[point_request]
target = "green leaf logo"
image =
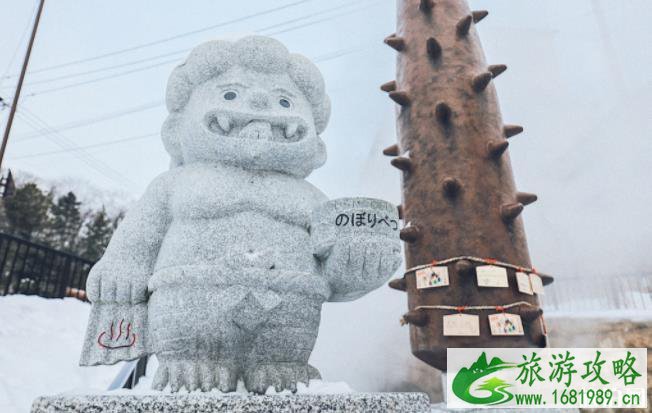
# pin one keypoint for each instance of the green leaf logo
(465, 379)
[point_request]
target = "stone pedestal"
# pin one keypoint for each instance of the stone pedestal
(216, 402)
(441, 408)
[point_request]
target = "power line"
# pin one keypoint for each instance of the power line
(339, 53)
(63, 142)
(326, 57)
(301, 26)
(93, 120)
(99, 166)
(170, 38)
(104, 69)
(20, 43)
(99, 79)
(140, 108)
(265, 30)
(182, 51)
(128, 72)
(94, 145)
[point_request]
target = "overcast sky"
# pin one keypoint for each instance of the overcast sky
(578, 80)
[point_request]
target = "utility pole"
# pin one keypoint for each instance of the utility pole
(19, 86)
(460, 203)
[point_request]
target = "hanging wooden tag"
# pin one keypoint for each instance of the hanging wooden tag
(461, 325)
(432, 277)
(523, 282)
(492, 276)
(537, 284)
(505, 324)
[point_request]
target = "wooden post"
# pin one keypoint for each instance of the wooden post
(19, 86)
(459, 197)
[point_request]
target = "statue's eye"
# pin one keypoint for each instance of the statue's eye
(230, 95)
(284, 102)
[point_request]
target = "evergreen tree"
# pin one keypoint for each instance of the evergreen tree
(97, 233)
(66, 223)
(27, 211)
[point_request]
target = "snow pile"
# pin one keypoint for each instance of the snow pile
(40, 343)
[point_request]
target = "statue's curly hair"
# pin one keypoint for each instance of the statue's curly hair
(259, 53)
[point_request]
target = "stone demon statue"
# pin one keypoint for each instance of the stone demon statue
(221, 268)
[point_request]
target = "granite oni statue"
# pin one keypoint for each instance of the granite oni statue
(221, 268)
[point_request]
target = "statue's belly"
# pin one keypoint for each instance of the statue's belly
(246, 239)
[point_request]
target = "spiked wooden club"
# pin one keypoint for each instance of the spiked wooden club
(459, 197)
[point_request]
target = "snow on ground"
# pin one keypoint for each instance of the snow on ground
(40, 343)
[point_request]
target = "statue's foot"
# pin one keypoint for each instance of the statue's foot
(196, 374)
(282, 376)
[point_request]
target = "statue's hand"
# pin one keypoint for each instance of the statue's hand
(357, 241)
(357, 266)
(114, 286)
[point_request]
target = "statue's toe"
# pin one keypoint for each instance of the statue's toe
(226, 377)
(160, 378)
(313, 373)
(280, 376)
(191, 375)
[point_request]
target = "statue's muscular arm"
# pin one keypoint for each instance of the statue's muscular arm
(122, 273)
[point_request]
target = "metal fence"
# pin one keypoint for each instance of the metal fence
(599, 293)
(32, 269)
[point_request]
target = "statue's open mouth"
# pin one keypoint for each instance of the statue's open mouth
(246, 126)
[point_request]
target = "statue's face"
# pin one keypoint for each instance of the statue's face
(253, 120)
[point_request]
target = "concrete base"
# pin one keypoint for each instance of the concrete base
(215, 402)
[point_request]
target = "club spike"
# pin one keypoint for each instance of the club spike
(496, 149)
(392, 150)
(451, 186)
(389, 86)
(509, 212)
(433, 47)
(443, 112)
(400, 211)
(512, 130)
(410, 234)
(479, 15)
(530, 314)
(526, 198)
(546, 279)
(416, 318)
(426, 5)
(542, 341)
(402, 163)
(398, 284)
(497, 70)
(481, 81)
(395, 42)
(464, 25)
(464, 267)
(400, 97)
